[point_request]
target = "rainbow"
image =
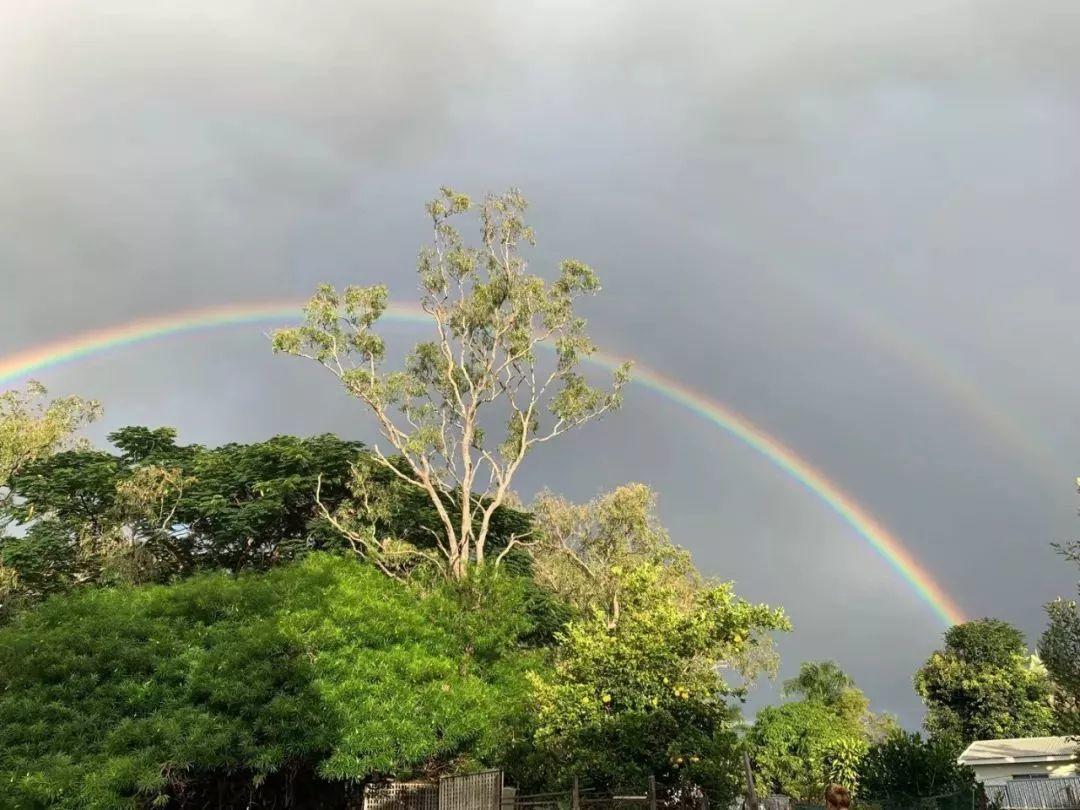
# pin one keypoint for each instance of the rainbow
(946, 377)
(40, 358)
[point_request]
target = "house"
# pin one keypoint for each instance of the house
(996, 761)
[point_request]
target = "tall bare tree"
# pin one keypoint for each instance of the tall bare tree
(490, 317)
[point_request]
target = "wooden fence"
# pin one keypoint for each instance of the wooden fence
(585, 798)
(472, 791)
(486, 791)
(401, 796)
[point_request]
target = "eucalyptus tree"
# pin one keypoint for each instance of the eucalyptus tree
(440, 412)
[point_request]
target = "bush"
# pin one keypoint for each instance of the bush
(124, 696)
(904, 769)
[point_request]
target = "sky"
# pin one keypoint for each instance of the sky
(852, 222)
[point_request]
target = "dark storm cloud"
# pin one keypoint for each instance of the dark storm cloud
(792, 206)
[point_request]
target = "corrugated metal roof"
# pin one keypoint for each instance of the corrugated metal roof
(985, 752)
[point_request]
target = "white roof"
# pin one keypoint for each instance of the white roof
(1023, 749)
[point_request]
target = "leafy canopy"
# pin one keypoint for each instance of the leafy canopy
(1059, 649)
(638, 686)
(904, 769)
(984, 684)
(581, 551)
(825, 683)
(800, 747)
(112, 697)
(32, 428)
(155, 510)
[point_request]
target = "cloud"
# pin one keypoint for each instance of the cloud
(766, 187)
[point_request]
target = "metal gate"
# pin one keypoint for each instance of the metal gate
(473, 791)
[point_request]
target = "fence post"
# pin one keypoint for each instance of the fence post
(751, 791)
(575, 796)
(652, 793)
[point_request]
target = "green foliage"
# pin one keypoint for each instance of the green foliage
(985, 642)
(820, 682)
(904, 769)
(984, 684)
(582, 551)
(825, 683)
(802, 746)
(799, 748)
(643, 695)
(1059, 649)
(155, 510)
(489, 315)
(32, 428)
(111, 697)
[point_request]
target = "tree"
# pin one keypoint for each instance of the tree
(800, 747)
(1059, 649)
(582, 551)
(903, 770)
(31, 428)
(637, 688)
(134, 695)
(490, 317)
(820, 682)
(823, 682)
(984, 684)
(155, 509)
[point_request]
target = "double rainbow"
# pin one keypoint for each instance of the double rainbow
(22, 364)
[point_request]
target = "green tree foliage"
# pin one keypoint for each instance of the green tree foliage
(904, 769)
(799, 748)
(489, 315)
(1059, 649)
(31, 429)
(582, 551)
(825, 683)
(154, 509)
(639, 691)
(112, 697)
(820, 682)
(984, 684)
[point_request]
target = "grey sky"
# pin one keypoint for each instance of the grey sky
(853, 222)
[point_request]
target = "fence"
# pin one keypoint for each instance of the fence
(473, 791)
(1062, 793)
(587, 798)
(485, 791)
(401, 796)
(964, 800)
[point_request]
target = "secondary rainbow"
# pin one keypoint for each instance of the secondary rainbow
(40, 358)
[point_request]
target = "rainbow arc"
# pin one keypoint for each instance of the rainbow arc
(40, 358)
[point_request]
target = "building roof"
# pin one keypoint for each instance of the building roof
(1024, 749)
